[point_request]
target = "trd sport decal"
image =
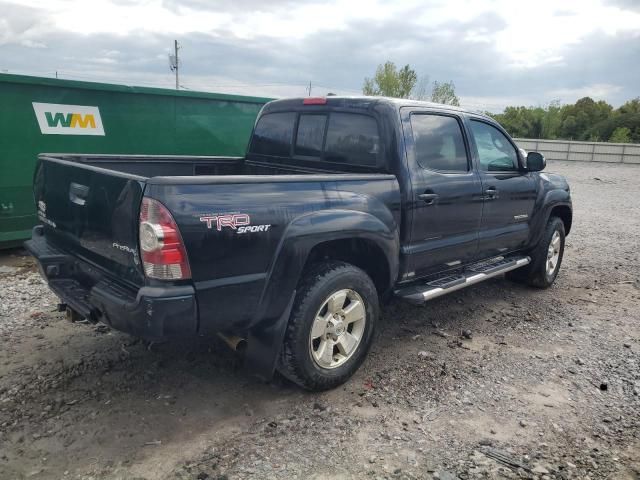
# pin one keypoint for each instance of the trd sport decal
(234, 220)
(241, 222)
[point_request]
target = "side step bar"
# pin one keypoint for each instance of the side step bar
(450, 282)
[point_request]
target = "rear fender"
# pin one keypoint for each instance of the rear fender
(302, 235)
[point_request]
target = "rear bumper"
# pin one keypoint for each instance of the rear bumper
(154, 313)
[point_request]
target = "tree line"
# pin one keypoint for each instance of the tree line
(389, 81)
(586, 119)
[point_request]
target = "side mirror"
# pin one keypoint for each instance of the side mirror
(535, 162)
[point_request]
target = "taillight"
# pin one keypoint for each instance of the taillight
(161, 248)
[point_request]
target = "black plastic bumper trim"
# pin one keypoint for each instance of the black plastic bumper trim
(154, 313)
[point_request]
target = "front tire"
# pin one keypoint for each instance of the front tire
(546, 257)
(331, 326)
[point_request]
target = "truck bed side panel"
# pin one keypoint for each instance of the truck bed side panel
(231, 264)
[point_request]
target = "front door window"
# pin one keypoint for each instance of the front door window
(495, 152)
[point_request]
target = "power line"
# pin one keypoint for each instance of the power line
(194, 83)
(161, 81)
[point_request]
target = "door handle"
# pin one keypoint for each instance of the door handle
(491, 193)
(428, 198)
(78, 193)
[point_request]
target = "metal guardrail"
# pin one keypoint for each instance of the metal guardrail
(583, 151)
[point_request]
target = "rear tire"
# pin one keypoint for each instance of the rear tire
(546, 258)
(331, 326)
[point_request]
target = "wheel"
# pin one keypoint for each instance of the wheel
(331, 326)
(546, 257)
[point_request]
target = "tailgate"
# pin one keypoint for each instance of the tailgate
(91, 213)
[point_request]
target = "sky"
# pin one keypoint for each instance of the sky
(497, 52)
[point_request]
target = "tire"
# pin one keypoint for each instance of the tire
(325, 357)
(537, 274)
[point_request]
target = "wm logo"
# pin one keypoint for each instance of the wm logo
(70, 120)
(56, 119)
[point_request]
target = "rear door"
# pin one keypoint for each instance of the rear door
(509, 192)
(92, 213)
(447, 195)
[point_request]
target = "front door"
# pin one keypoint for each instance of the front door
(509, 192)
(446, 208)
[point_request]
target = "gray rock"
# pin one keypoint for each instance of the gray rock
(539, 469)
(444, 475)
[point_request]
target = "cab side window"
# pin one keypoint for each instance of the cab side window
(439, 144)
(495, 152)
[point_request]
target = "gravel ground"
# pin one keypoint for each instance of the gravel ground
(24, 296)
(547, 386)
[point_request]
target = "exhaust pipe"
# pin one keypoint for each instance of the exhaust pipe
(237, 344)
(72, 315)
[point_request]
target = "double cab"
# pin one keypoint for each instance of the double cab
(339, 204)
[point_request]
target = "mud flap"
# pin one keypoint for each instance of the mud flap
(264, 343)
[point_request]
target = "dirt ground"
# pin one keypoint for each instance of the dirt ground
(548, 385)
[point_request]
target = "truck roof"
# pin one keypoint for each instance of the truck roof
(363, 102)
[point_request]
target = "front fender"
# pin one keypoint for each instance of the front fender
(553, 194)
(301, 236)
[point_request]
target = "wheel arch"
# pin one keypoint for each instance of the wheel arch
(350, 236)
(363, 253)
(564, 213)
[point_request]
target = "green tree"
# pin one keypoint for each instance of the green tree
(620, 135)
(391, 82)
(531, 122)
(518, 121)
(604, 129)
(407, 79)
(584, 120)
(551, 120)
(578, 118)
(388, 81)
(444, 93)
(631, 106)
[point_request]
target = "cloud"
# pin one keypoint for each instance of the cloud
(21, 25)
(238, 6)
(335, 56)
(626, 4)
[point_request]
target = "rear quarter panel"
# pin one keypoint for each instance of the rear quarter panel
(241, 278)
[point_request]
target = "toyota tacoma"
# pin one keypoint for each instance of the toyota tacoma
(338, 205)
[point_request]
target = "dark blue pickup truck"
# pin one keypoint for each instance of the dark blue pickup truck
(338, 204)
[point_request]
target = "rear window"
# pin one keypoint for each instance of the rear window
(352, 139)
(273, 133)
(310, 135)
(346, 138)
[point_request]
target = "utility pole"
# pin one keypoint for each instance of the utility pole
(309, 89)
(174, 62)
(175, 47)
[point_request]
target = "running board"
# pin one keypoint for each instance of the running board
(450, 282)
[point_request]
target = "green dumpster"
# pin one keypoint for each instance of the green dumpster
(50, 115)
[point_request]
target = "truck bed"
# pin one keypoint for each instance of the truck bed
(148, 166)
(89, 205)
